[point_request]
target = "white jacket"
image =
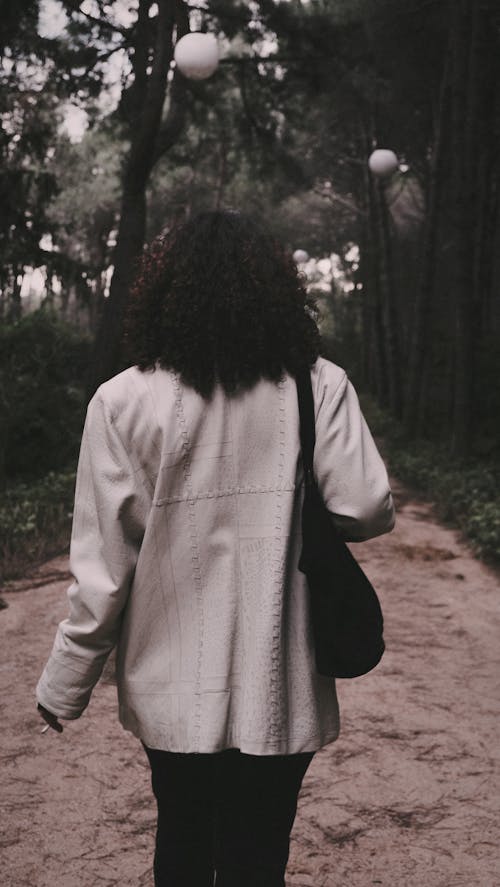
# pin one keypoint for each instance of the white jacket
(184, 550)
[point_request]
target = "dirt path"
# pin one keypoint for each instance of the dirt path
(409, 796)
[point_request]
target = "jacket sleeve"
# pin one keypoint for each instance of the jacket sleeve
(110, 512)
(349, 469)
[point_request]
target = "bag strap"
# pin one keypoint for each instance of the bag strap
(307, 422)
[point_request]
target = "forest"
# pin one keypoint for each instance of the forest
(105, 143)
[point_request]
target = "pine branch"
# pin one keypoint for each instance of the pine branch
(74, 6)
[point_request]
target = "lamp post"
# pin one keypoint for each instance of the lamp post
(383, 163)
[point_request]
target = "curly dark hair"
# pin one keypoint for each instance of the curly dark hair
(219, 300)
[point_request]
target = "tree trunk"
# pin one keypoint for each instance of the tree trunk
(486, 230)
(4, 434)
(130, 240)
(415, 404)
(150, 139)
(464, 149)
(374, 309)
(388, 302)
(364, 276)
(222, 171)
(15, 304)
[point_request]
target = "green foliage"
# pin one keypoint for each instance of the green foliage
(42, 368)
(30, 113)
(27, 511)
(465, 491)
(19, 26)
(86, 208)
(27, 184)
(339, 324)
(487, 398)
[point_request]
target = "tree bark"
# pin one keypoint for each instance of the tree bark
(15, 305)
(415, 401)
(374, 310)
(150, 139)
(107, 350)
(464, 150)
(388, 302)
(486, 230)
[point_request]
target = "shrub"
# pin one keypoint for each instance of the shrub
(35, 521)
(42, 400)
(465, 492)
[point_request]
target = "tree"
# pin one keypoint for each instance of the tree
(85, 215)
(150, 43)
(29, 113)
(473, 57)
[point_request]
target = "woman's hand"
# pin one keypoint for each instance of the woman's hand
(50, 719)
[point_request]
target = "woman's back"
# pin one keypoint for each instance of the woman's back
(215, 648)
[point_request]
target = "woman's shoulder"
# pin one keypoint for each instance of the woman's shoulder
(328, 378)
(129, 385)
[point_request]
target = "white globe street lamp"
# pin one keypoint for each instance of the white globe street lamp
(300, 256)
(383, 162)
(197, 55)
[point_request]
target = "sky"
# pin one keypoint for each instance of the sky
(53, 18)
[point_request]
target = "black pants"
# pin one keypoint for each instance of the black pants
(225, 815)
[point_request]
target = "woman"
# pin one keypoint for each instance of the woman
(185, 543)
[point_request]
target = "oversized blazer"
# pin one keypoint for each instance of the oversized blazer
(184, 552)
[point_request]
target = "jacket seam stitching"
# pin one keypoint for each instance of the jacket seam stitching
(274, 689)
(194, 546)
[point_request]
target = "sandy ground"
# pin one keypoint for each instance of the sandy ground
(408, 796)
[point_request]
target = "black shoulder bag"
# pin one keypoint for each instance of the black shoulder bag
(345, 611)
